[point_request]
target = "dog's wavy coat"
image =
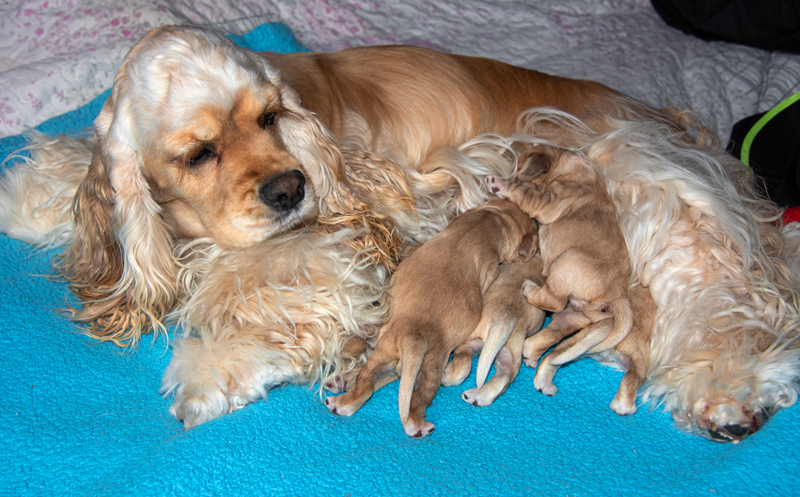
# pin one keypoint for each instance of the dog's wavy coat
(258, 202)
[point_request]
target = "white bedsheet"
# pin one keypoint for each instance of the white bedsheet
(56, 55)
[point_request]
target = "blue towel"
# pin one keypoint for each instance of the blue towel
(81, 418)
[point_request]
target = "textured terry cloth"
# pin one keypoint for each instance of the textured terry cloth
(81, 418)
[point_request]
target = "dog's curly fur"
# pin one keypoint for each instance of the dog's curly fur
(165, 217)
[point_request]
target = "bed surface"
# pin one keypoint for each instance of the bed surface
(80, 418)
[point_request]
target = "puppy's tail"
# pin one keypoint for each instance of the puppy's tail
(623, 322)
(413, 352)
(496, 332)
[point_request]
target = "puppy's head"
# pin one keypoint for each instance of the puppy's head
(535, 163)
(526, 241)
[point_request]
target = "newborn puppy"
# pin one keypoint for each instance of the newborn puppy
(507, 319)
(584, 253)
(436, 301)
(632, 353)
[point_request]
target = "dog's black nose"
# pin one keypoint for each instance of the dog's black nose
(284, 191)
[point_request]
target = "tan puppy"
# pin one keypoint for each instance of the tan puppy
(582, 247)
(436, 300)
(506, 320)
(632, 353)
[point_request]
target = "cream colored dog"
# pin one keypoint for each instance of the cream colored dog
(436, 297)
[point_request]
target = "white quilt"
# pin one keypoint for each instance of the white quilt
(56, 55)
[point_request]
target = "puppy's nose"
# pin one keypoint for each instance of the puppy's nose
(284, 191)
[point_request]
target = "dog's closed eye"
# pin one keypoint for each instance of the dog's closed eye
(200, 155)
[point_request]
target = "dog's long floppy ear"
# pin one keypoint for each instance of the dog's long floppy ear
(121, 263)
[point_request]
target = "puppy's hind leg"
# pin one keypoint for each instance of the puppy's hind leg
(562, 325)
(543, 381)
(507, 364)
(380, 362)
(460, 365)
(428, 381)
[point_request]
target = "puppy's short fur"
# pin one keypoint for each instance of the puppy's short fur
(632, 353)
(506, 320)
(582, 247)
(436, 300)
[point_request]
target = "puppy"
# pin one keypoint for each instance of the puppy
(506, 320)
(582, 247)
(632, 354)
(436, 297)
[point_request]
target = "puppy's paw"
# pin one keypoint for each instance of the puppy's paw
(341, 382)
(456, 372)
(341, 405)
(544, 382)
(478, 397)
(623, 408)
(418, 429)
(529, 286)
(497, 185)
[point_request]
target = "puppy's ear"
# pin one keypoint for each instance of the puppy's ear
(121, 262)
(533, 164)
(528, 247)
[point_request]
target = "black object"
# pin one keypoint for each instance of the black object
(766, 24)
(774, 153)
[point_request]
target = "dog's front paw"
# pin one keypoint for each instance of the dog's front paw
(202, 404)
(497, 185)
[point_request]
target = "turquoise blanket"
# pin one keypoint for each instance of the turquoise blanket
(81, 418)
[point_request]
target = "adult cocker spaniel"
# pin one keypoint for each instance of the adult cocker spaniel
(258, 202)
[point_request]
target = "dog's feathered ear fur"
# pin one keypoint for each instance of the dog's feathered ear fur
(121, 263)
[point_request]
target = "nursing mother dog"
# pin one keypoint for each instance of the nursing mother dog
(258, 202)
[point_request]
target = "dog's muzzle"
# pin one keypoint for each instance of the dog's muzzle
(283, 192)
